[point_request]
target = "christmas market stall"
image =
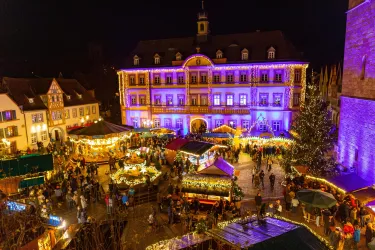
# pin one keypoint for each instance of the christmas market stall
(100, 140)
(173, 147)
(198, 152)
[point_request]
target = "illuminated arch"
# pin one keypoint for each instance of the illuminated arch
(200, 57)
(261, 120)
(198, 118)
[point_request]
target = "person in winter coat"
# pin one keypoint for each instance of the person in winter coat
(357, 236)
(369, 233)
(83, 202)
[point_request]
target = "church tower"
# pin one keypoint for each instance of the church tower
(202, 23)
(357, 120)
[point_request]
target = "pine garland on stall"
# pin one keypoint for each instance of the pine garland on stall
(316, 134)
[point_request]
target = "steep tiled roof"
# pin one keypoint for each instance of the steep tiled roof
(20, 89)
(257, 43)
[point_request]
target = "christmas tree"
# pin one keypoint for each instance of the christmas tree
(315, 134)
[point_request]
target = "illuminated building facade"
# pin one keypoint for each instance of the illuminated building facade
(252, 80)
(357, 118)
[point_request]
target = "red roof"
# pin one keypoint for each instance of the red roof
(176, 144)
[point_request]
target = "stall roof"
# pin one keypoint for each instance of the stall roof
(141, 130)
(176, 144)
(196, 147)
(100, 128)
(271, 234)
(220, 167)
(217, 135)
(349, 182)
(224, 129)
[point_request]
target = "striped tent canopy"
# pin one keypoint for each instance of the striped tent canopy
(100, 129)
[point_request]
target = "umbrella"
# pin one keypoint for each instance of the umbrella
(316, 198)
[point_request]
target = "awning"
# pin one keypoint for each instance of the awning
(30, 182)
(176, 144)
(349, 182)
(26, 165)
(219, 167)
(196, 147)
(141, 130)
(217, 135)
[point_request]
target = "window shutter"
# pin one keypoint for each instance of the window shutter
(14, 115)
(2, 133)
(4, 115)
(1, 116)
(15, 131)
(6, 132)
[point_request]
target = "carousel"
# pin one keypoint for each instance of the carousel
(100, 140)
(136, 170)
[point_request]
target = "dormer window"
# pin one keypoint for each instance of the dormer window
(31, 100)
(245, 55)
(178, 56)
(68, 97)
(219, 54)
(79, 96)
(136, 60)
(157, 59)
(271, 53)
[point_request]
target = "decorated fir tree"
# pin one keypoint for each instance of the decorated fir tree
(315, 134)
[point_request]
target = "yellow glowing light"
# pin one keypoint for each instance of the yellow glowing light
(33, 129)
(38, 128)
(44, 127)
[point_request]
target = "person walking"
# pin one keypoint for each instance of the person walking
(356, 236)
(258, 202)
(253, 173)
(269, 163)
(261, 177)
(272, 180)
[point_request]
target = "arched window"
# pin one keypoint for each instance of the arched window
(271, 53)
(201, 27)
(178, 56)
(157, 59)
(244, 55)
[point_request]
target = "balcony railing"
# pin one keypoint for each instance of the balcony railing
(201, 110)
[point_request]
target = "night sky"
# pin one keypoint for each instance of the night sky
(46, 37)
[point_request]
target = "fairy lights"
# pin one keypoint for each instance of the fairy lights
(206, 183)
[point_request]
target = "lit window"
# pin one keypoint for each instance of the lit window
(142, 80)
(204, 100)
(132, 80)
(43, 135)
(194, 100)
(157, 123)
(263, 99)
(81, 112)
(169, 79)
(68, 97)
(142, 100)
(264, 77)
(35, 118)
(157, 99)
(74, 111)
(178, 56)
(243, 99)
(271, 53)
(31, 100)
(219, 54)
(57, 115)
(277, 100)
(180, 79)
(169, 100)
(203, 78)
(245, 124)
(232, 124)
(245, 55)
(262, 127)
(217, 78)
(157, 80)
(157, 59)
(133, 99)
(181, 100)
(193, 79)
(34, 138)
(179, 123)
(67, 114)
(229, 100)
(276, 125)
(230, 77)
(218, 123)
(94, 109)
(216, 100)
(278, 77)
(167, 122)
(297, 75)
(243, 77)
(296, 97)
(136, 60)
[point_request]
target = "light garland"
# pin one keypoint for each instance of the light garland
(203, 182)
(324, 181)
(178, 242)
(273, 139)
(224, 126)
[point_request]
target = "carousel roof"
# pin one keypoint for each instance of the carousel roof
(100, 128)
(217, 135)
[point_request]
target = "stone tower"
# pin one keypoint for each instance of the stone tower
(202, 25)
(357, 121)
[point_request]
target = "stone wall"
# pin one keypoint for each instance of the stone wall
(359, 76)
(357, 136)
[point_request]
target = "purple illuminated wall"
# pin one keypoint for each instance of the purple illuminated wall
(357, 119)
